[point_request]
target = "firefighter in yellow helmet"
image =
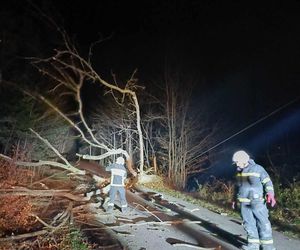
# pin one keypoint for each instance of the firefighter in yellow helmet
(253, 185)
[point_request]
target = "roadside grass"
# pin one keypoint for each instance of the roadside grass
(286, 215)
(195, 198)
(217, 196)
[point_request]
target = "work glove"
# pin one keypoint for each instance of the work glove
(271, 199)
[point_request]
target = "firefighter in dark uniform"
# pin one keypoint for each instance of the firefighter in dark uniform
(117, 184)
(253, 185)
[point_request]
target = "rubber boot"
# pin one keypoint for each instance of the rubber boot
(125, 210)
(109, 209)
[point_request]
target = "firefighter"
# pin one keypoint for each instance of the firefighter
(253, 185)
(117, 184)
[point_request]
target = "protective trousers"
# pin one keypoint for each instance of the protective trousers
(112, 194)
(257, 225)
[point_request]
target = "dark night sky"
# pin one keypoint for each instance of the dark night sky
(214, 36)
(249, 49)
(247, 52)
(238, 45)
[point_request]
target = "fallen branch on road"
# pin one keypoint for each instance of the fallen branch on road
(64, 216)
(42, 193)
(155, 223)
(23, 236)
(43, 163)
(139, 205)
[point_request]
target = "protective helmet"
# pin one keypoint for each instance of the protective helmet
(240, 156)
(120, 160)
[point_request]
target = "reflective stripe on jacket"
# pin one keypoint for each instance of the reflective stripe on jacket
(118, 174)
(252, 182)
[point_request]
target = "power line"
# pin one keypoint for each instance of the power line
(249, 126)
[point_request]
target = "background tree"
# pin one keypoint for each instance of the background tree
(181, 130)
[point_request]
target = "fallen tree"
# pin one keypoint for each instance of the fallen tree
(69, 72)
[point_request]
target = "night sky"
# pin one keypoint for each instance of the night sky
(245, 54)
(215, 37)
(254, 48)
(221, 41)
(248, 54)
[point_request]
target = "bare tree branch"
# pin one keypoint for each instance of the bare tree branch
(41, 193)
(24, 236)
(44, 163)
(69, 69)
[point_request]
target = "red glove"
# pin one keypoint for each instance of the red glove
(271, 199)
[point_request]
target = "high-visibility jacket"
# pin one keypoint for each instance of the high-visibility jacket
(252, 183)
(118, 174)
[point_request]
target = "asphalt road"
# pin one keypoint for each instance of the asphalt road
(159, 221)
